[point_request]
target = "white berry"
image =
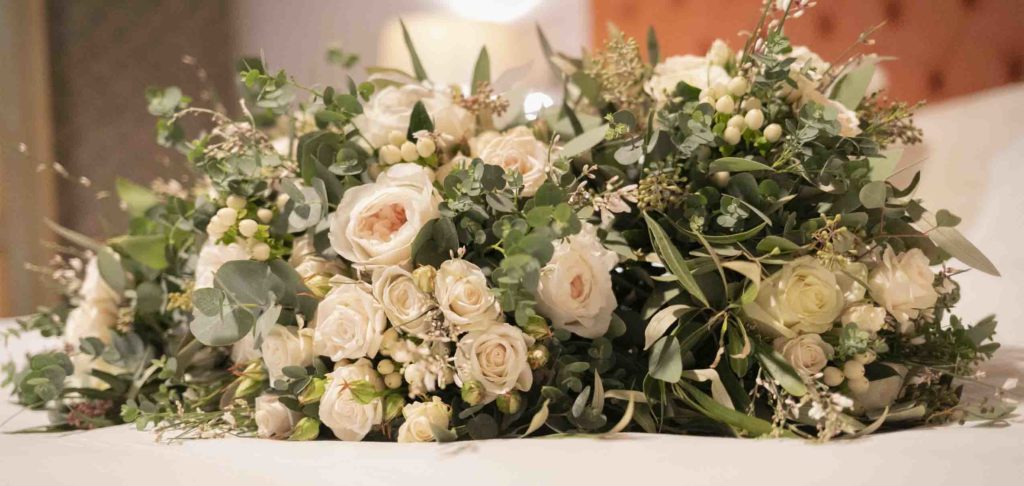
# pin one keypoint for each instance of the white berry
(236, 202)
(386, 367)
(425, 147)
(773, 132)
(732, 135)
(390, 154)
(282, 200)
(265, 215)
(853, 369)
(737, 121)
(396, 138)
(409, 153)
(754, 119)
(725, 105)
(833, 376)
(228, 215)
(248, 227)
(393, 380)
(738, 86)
(858, 385)
(751, 104)
(261, 252)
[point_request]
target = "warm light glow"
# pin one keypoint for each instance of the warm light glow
(492, 10)
(535, 102)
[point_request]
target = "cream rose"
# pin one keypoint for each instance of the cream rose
(808, 353)
(903, 285)
(308, 263)
(575, 289)
(515, 150)
(347, 417)
(286, 346)
(375, 224)
(273, 419)
(867, 317)
(496, 358)
(802, 297)
(695, 71)
(211, 257)
(421, 418)
(90, 319)
(460, 288)
(245, 350)
(406, 306)
(389, 110)
(349, 322)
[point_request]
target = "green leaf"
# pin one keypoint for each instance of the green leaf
(721, 413)
(481, 70)
(983, 330)
(247, 283)
(653, 53)
(110, 269)
(549, 53)
(953, 242)
(419, 120)
(724, 239)
(137, 198)
(149, 250)
(417, 66)
(585, 141)
(852, 87)
(215, 322)
(673, 259)
(74, 236)
(874, 194)
(783, 373)
(435, 242)
(666, 361)
(882, 167)
(772, 242)
(661, 321)
(736, 164)
(946, 218)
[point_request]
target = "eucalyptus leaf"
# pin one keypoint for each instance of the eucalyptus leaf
(736, 164)
(585, 141)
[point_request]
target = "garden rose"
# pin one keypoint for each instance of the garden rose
(460, 288)
(496, 358)
(349, 322)
(903, 285)
(406, 306)
(808, 353)
(286, 346)
(211, 257)
(273, 419)
(867, 317)
(575, 289)
(696, 71)
(515, 150)
(802, 297)
(389, 110)
(347, 417)
(421, 418)
(375, 224)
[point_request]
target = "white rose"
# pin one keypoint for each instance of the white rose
(816, 66)
(575, 289)
(881, 393)
(802, 297)
(719, 53)
(211, 257)
(808, 353)
(460, 288)
(849, 277)
(273, 419)
(347, 417)
(375, 224)
(421, 417)
(495, 357)
(695, 71)
(90, 319)
(389, 110)
(94, 288)
(308, 263)
(867, 317)
(286, 346)
(245, 350)
(406, 306)
(903, 285)
(349, 322)
(515, 150)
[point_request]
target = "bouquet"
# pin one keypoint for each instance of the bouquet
(690, 245)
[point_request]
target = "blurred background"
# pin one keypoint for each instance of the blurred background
(73, 74)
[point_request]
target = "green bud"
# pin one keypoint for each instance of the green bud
(537, 356)
(393, 406)
(537, 328)
(472, 392)
(424, 278)
(248, 387)
(312, 392)
(319, 285)
(307, 429)
(510, 402)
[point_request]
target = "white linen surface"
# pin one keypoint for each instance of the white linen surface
(993, 218)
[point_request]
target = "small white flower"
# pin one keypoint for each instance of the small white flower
(389, 110)
(339, 409)
(695, 71)
(421, 418)
(273, 419)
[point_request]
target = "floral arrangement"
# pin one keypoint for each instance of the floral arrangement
(691, 245)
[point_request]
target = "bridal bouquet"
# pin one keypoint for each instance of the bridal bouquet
(693, 245)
